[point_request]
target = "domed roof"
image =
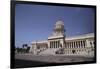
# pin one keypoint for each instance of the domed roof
(59, 22)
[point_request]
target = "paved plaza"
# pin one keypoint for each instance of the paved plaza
(54, 59)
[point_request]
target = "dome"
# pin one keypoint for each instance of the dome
(60, 22)
(59, 25)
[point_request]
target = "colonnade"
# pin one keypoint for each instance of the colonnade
(55, 44)
(75, 44)
(71, 47)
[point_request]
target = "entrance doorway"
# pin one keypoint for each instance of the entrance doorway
(73, 51)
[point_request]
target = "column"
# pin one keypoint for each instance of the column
(76, 44)
(54, 45)
(87, 43)
(82, 43)
(72, 44)
(57, 45)
(66, 45)
(79, 44)
(69, 44)
(51, 44)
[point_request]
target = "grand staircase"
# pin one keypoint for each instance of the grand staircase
(49, 51)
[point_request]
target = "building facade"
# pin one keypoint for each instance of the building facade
(59, 44)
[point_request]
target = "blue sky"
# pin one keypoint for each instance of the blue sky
(36, 22)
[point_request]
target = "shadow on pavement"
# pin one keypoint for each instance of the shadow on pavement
(19, 63)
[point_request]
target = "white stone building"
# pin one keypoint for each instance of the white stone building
(59, 44)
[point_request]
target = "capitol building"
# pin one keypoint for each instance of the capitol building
(59, 44)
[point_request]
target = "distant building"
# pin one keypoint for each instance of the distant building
(59, 44)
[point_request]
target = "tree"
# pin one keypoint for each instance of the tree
(27, 50)
(25, 45)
